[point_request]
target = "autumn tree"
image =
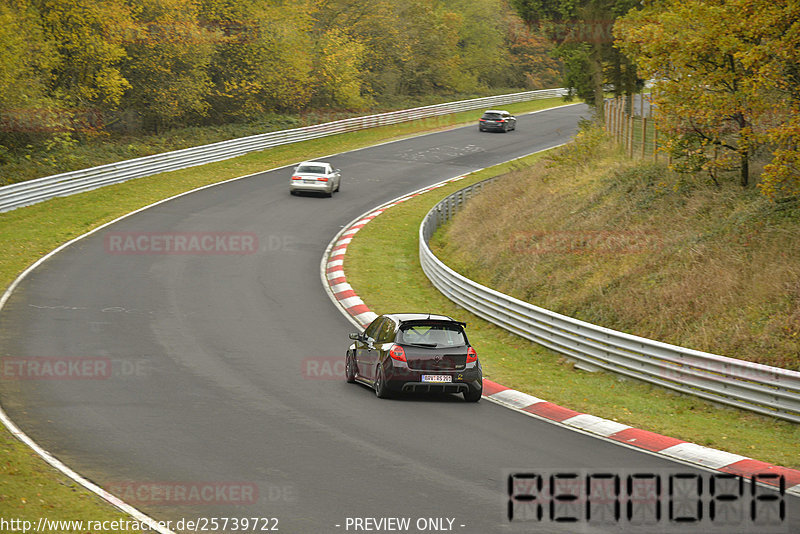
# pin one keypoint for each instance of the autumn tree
(26, 57)
(429, 61)
(25, 107)
(721, 90)
(338, 73)
(482, 46)
(423, 46)
(83, 65)
(581, 29)
(531, 59)
(776, 60)
(414, 46)
(88, 38)
(264, 58)
(169, 53)
(371, 24)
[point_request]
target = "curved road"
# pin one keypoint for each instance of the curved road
(207, 372)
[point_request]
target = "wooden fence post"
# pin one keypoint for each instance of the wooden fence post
(644, 135)
(655, 142)
(630, 135)
(623, 122)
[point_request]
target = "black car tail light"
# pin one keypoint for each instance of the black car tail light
(472, 356)
(397, 353)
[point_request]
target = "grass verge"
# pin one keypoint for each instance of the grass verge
(519, 364)
(29, 489)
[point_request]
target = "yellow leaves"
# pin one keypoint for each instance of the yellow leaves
(339, 73)
(782, 175)
(83, 33)
(168, 60)
(722, 91)
(113, 84)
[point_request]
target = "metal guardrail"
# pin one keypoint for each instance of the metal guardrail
(751, 386)
(32, 191)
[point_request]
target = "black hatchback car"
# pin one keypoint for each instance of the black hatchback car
(497, 120)
(416, 352)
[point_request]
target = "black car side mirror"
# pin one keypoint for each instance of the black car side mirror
(355, 336)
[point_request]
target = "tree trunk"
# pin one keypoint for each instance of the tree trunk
(745, 168)
(744, 148)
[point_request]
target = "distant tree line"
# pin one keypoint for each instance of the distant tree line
(75, 67)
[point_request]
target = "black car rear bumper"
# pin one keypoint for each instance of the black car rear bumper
(400, 378)
(425, 387)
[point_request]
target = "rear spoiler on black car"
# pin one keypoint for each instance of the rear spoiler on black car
(462, 323)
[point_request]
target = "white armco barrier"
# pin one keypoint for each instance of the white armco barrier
(32, 191)
(751, 386)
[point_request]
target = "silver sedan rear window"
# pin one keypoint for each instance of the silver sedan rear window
(311, 169)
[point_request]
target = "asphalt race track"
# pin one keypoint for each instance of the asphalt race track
(201, 383)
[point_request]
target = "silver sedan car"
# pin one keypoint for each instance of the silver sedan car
(315, 176)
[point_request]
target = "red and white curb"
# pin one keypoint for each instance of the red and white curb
(674, 448)
(332, 270)
(349, 303)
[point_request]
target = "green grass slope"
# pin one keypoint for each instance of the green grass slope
(624, 244)
(515, 362)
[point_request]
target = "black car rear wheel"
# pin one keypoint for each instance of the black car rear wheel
(473, 395)
(349, 369)
(380, 385)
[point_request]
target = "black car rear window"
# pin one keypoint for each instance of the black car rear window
(432, 334)
(492, 116)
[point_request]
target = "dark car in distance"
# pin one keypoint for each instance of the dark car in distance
(415, 352)
(497, 120)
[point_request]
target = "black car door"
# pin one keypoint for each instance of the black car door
(384, 341)
(365, 349)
